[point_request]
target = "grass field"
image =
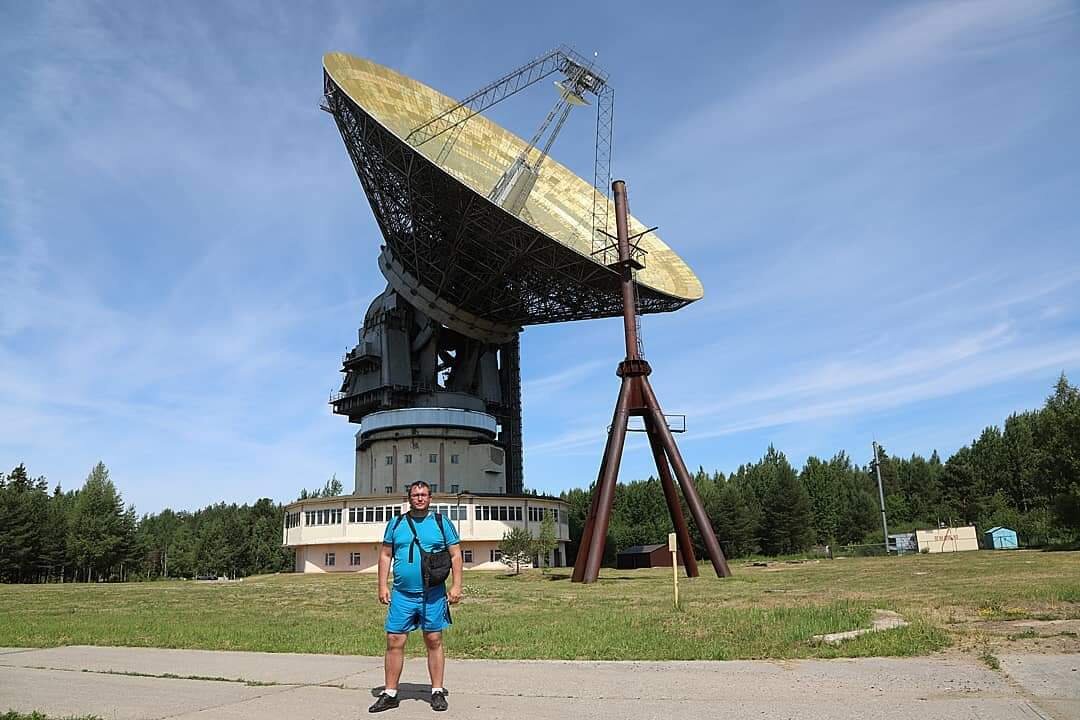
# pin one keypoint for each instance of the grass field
(966, 600)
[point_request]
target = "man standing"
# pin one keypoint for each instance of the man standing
(411, 605)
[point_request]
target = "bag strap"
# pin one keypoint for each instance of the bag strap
(416, 538)
(438, 520)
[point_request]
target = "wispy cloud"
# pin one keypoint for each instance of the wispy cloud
(880, 208)
(563, 380)
(948, 380)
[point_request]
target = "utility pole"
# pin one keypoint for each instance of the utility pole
(881, 498)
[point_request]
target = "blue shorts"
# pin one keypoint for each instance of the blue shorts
(409, 611)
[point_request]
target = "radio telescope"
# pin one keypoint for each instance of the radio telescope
(484, 233)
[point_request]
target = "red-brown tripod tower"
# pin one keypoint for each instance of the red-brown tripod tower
(636, 397)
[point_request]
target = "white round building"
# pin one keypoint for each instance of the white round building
(455, 452)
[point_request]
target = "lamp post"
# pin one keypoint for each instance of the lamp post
(881, 498)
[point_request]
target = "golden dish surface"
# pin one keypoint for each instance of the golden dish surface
(560, 205)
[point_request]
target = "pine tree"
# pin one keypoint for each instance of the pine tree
(54, 554)
(1059, 436)
(787, 522)
(23, 514)
(97, 525)
(734, 522)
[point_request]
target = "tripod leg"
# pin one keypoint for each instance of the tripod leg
(590, 521)
(606, 487)
(693, 500)
(686, 547)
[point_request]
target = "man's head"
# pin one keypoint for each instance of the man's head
(419, 495)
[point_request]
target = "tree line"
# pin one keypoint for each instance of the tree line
(1024, 475)
(91, 535)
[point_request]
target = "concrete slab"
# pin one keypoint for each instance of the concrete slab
(726, 681)
(883, 620)
(243, 666)
(1061, 709)
(318, 703)
(61, 693)
(327, 686)
(1049, 676)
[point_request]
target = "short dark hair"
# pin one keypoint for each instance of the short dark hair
(418, 483)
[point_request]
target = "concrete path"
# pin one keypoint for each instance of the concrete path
(143, 683)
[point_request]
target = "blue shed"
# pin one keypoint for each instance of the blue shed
(1001, 538)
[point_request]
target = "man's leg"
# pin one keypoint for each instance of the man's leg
(394, 659)
(435, 658)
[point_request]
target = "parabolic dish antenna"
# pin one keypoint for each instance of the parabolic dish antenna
(451, 247)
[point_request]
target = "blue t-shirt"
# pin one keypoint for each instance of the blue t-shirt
(407, 576)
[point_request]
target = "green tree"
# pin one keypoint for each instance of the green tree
(787, 521)
(97, 527)
(823, 485)
(960, 488)
(1018, 445)
(1059, 459)
(23, 512)
(54, 552)
(578, 500)
(734, 522)
(516, 548)
(546, 540)
(639, 514)
(333, 487)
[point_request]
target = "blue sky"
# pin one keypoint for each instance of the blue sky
(880, 200)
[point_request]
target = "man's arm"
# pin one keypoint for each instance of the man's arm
(454, 594)
(385, 556)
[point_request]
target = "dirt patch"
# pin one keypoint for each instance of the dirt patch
(1036, 637)
(1032, 628)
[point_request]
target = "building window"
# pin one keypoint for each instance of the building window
(459, 512)
(466, 556)
(389, 459)
(397, 510)
(433, 458)
(369, 514)
(496, 555)
(354, 558)
(454, 459)
(455, 489)
(330, 559)
(379, 514)
(434, 488)
(408, 458)
(389, 489)
(502, 513)
(517, 513)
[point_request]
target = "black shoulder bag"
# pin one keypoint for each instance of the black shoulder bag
(434, 566)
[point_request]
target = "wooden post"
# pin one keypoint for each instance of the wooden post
(673, 547)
